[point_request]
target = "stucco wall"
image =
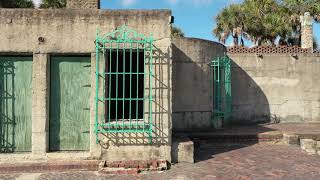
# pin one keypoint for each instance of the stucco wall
(192, 102)
(73, 31)
(69, 31)
(275, 87)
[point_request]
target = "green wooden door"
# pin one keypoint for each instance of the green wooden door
(69, 125)
(15, 103)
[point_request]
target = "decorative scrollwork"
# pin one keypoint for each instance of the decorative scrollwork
(123, 34)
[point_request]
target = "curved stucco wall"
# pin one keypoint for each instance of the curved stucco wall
(192, 83)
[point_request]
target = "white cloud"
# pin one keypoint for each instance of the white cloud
(126, 3)
(37, 2)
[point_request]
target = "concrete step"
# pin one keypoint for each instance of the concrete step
(37, 167)
(290, 133)
(234, 137)
(182, 150)
(310, 146)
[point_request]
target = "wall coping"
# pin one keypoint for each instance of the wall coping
(22, 12)
(269, 50)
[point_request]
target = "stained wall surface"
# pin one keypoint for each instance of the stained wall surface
(65, 32)
(192, 102)
(275, 88)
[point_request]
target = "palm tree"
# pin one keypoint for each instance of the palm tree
(176, 32)
(53, 4)
(263, 21)
(229, 22)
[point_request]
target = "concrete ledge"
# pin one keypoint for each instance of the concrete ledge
(234, 137)
(182, 150)
(291, 139)
(308, 145)
(36, 167)
(28, 156)
(69, 155)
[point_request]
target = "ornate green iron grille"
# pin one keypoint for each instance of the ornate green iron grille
(222, 99)
(127, 80)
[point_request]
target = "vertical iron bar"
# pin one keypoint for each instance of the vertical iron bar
(7, 103)
(103, 75)
(117, 72)
(218, 83)
(144, 72)
(228, 86)
(97, 91)
(137, 101)
(150, 95)
(214, 89)
(2, 94)
(123, 81)
(130, 113)
(225, 90)
(109, 84)
(211, 80)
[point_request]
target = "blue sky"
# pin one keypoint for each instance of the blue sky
(194, 17)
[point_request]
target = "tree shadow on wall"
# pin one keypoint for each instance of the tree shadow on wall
(191, 93)
(250, 104)
(160, 110)
(192, 104)
(250, 110)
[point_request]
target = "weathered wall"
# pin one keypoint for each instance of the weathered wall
(83, 4)
(192, 83)
(275, 87)
(73, 31)
(59, 31)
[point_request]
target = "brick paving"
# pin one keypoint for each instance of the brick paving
(221, 161)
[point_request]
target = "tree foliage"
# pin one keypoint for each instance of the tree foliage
(176, 32)
(29, 4)
(53, 4)
(16, 3)
(263, 21)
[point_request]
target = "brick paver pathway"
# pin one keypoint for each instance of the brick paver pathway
(258, 161)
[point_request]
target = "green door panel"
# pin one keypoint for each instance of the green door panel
(15, 103)
(69, 125)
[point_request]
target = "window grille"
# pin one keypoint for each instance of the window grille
(127, 75)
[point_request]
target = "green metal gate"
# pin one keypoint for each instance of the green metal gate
(69, 123)
(127, 79)
(222, 99)
(15, 103)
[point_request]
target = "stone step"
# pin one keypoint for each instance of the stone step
(235, 137)
(182, 150)
(38, 167)
(310, 146)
